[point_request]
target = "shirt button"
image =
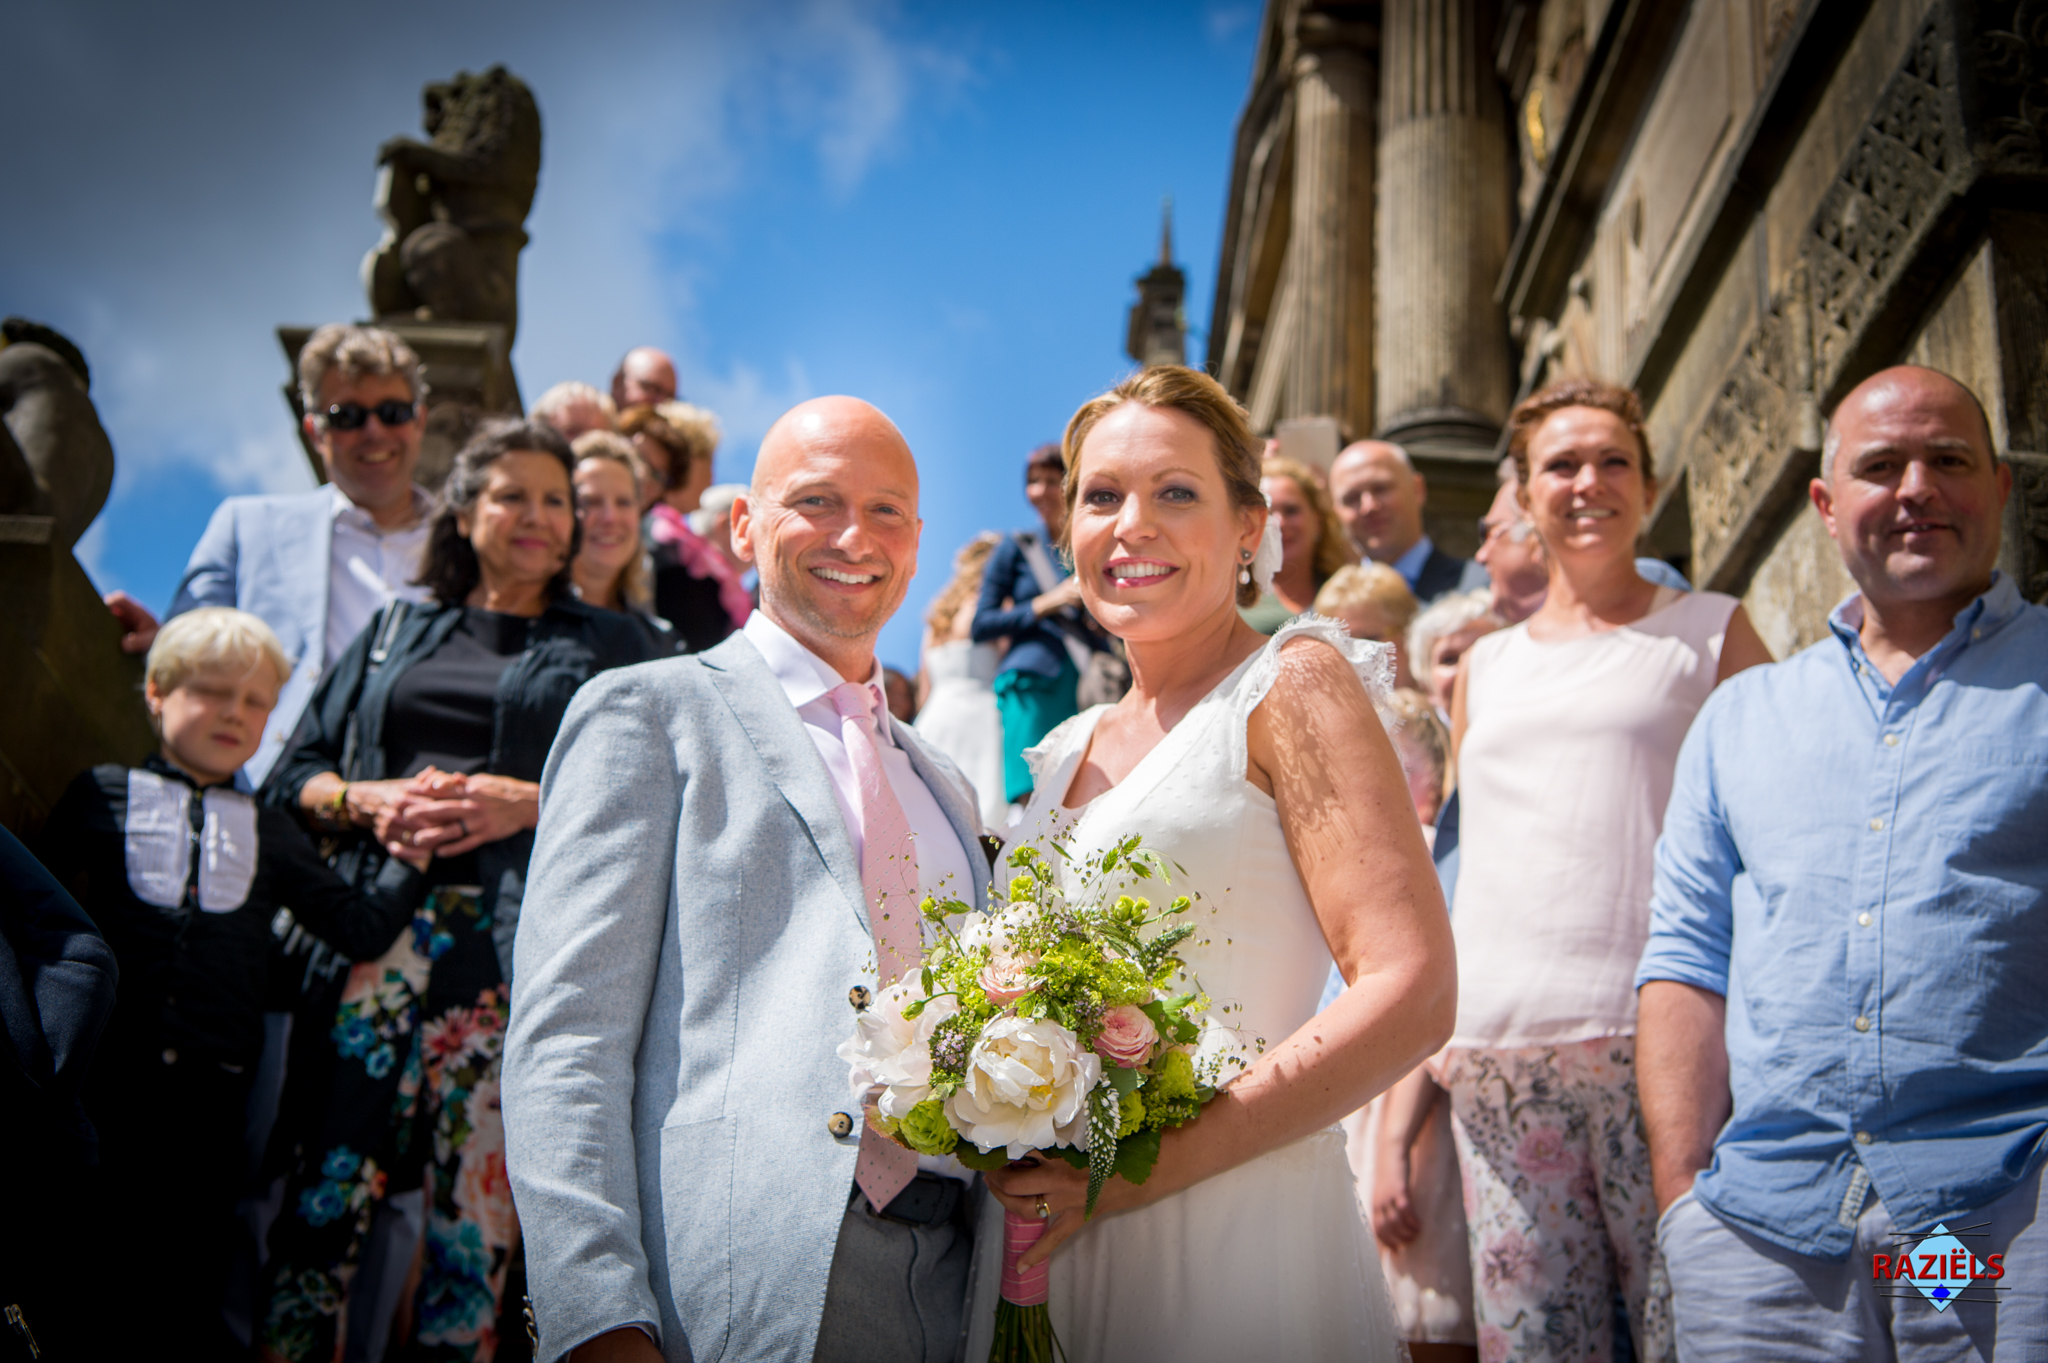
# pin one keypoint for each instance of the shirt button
(840, 1124)
(1862, 1024)
(1862, 920)
(1877, 825)
(170, 1056)
(1891, 740)
(1863, 1138)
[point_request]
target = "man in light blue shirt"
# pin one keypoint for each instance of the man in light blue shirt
(1850, 930)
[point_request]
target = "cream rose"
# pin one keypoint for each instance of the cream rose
(1027, 1088)
(1127, 1036)
(894, 1051)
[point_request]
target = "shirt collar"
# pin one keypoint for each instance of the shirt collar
(1987, 614)
(806, 677)
(1409, 565)
(341, 508)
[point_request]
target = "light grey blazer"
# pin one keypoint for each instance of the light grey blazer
(692, 924)
(270, 556)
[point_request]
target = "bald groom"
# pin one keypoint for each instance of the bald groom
(679, 1132)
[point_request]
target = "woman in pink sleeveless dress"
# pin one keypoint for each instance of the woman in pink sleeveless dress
(1567, 729)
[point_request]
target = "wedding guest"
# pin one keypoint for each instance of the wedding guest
(900, 695)
(1028, 599)
(688, 1188)
(314, 566)
(1424, 747)
(1566, 730)
(1849, 930)
(1512, 554)
(431, 733)
(645, 376)
(1258, 769)
(57, 977)
(695, 589)
(184, 873)
(713, 520)
(573, 408)
(1440, 635)
(1379, 497)
(1312, 544)
(1374, 602)
(960, 716)
(611, 570)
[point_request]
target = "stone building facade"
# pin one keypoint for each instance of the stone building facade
(1739, 207)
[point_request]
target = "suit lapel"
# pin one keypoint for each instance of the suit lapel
(788, 756)
(317, 534)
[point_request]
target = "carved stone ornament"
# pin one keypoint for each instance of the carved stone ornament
(1940, 127)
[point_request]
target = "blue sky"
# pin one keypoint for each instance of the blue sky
(939, 208)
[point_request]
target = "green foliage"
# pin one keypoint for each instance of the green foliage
(1133, 1109)
(974, 1158)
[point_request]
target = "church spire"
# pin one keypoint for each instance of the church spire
(1156, 332)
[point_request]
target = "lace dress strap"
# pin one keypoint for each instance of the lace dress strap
(1374, 664)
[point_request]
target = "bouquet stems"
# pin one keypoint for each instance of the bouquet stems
(1023, 1325)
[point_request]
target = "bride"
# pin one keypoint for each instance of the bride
(1260, 768)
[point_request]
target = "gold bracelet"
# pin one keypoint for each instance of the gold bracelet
(337, 807)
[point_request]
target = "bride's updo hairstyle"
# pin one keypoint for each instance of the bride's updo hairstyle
(1193, 394)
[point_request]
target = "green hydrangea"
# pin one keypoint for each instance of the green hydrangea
(1132, 1116)
(925, 1130)
(1172, 1098)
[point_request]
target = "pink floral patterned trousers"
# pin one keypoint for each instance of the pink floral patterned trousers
(1557, 1200)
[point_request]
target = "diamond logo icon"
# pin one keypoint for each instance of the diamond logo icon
(1942, 1267)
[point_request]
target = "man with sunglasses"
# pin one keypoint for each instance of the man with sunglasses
(315, 566)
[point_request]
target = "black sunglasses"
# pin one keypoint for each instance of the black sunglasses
(350, 416)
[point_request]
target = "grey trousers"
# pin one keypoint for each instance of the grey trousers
(1736, 1297)
(897, 1291)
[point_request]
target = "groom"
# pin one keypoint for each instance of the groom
(693, 1178)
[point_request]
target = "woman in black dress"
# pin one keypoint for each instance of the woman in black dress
(432, 730)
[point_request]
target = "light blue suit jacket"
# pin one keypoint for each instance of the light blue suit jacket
(269, 556)
(692, 925)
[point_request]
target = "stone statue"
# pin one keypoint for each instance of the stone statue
(55, 459)
(455, 207)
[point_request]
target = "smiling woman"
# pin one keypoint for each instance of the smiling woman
(430, 733)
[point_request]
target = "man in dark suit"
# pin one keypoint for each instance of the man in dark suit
(1379, 498)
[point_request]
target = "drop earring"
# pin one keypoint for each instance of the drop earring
(1244, 574)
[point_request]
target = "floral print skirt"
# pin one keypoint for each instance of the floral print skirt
(1558, 1203)
(418, 1038)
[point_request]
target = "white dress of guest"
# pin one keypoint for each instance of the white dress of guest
(960, 719)
(1268, 1260)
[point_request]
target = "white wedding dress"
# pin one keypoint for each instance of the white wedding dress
(960, 719)
(1267, 1262)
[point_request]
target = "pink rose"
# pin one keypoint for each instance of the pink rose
(1127, 1036)
(1544, 1156)
(1006, 977)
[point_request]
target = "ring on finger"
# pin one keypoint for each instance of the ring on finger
(463, 826)
(1044, 1212)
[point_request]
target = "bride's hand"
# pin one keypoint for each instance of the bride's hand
(1065, 1191)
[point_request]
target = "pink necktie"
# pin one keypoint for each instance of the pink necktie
(888, 882)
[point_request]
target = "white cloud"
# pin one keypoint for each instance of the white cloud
(1223, 22)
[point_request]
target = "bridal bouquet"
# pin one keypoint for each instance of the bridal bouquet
(1048, 1024)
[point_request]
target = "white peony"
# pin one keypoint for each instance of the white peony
(1027, 1088)
(894, 1051)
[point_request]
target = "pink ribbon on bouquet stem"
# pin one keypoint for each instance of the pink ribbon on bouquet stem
(1023, 1287)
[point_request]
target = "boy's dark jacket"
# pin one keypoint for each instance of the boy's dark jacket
(193, 979)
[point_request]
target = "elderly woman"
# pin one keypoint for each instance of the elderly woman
(1312, 544)
(431, 730)
(611, 570)
(1438, 638)
(1374, 602)
(1566, 731)
(695, 588)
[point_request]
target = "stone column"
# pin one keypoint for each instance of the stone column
(1329, 369)
(1441, 344)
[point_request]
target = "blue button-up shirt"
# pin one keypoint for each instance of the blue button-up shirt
(1861, 869)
